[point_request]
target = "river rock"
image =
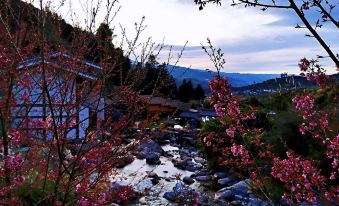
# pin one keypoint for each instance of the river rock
(170, 196)
(220, 175)
(203, 178)
(123, 161)
(144, 186)
(257, 202)
(187, 165)
(151, 146)
(199, 173)
(226, 181)
(200, 160)
(152, 158)
(221, 202)
(188, 180)
(181, 194)
(152, 175)
(240, 188)
(224, 194)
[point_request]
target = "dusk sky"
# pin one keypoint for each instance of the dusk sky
(253, 41)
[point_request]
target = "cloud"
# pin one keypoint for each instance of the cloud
(253, 41)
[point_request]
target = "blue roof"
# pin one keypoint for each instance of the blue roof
(188, 114)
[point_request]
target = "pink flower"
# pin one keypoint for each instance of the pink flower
(230, 131)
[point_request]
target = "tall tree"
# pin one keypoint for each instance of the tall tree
(185, 91)
(199, 93)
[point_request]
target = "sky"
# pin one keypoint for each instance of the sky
(253, 41)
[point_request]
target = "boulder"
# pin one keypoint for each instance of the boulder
(203, 178)
(152, 158)
(151, 146)
(224, 194)
(170, 196)
(124, 160)
(240, 188)
(188, 180)
(220, 175)
(226, 181)
(187, 165)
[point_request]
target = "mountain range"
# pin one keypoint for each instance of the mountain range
(199, 76)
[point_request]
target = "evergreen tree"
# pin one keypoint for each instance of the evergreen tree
(185, 91)
(199, 93)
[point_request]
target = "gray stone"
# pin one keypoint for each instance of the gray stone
(153, 175)
(224, 194)
(151, 146)
(236, 203)
(203, 178)
(219, 175)
(226, 181)
(152, 158)
(144, 186)
(170, 196)
(240, 188)
(188, 180)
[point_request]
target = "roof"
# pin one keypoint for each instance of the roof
(54, 59)
(175, 104)
(188, 114)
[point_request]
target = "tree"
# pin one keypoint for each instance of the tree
(45, 88)
(301, 176)
(185, 91)
(199, 93)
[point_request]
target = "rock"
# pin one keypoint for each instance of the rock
(236, 203)
(152, 158)
(189, 139)
(192, 167)
(151, 146)
(179, 188)
(152, 175)
(144, 186)
(155, 181)
(203, 178)
(188, 180)
(224, 194)
(170, 196)
(187, 165)
(226, 181)
(200, 160)
(220, 175)
(221, 202)
(240, 188)
(257, 202)
(199, 173)
(143, 201)
(240, 198)
(123, 161)
(202, 199)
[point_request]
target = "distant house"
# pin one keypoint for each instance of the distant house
(70, 85)
(164, 105)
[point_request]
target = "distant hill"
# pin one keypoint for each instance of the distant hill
(277, 84)
(201, 77)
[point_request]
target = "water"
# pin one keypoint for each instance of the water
(135, 174)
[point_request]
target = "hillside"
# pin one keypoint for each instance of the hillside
(201, 77)
(277, 84)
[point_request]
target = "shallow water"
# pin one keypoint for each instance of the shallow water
(135, 174)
